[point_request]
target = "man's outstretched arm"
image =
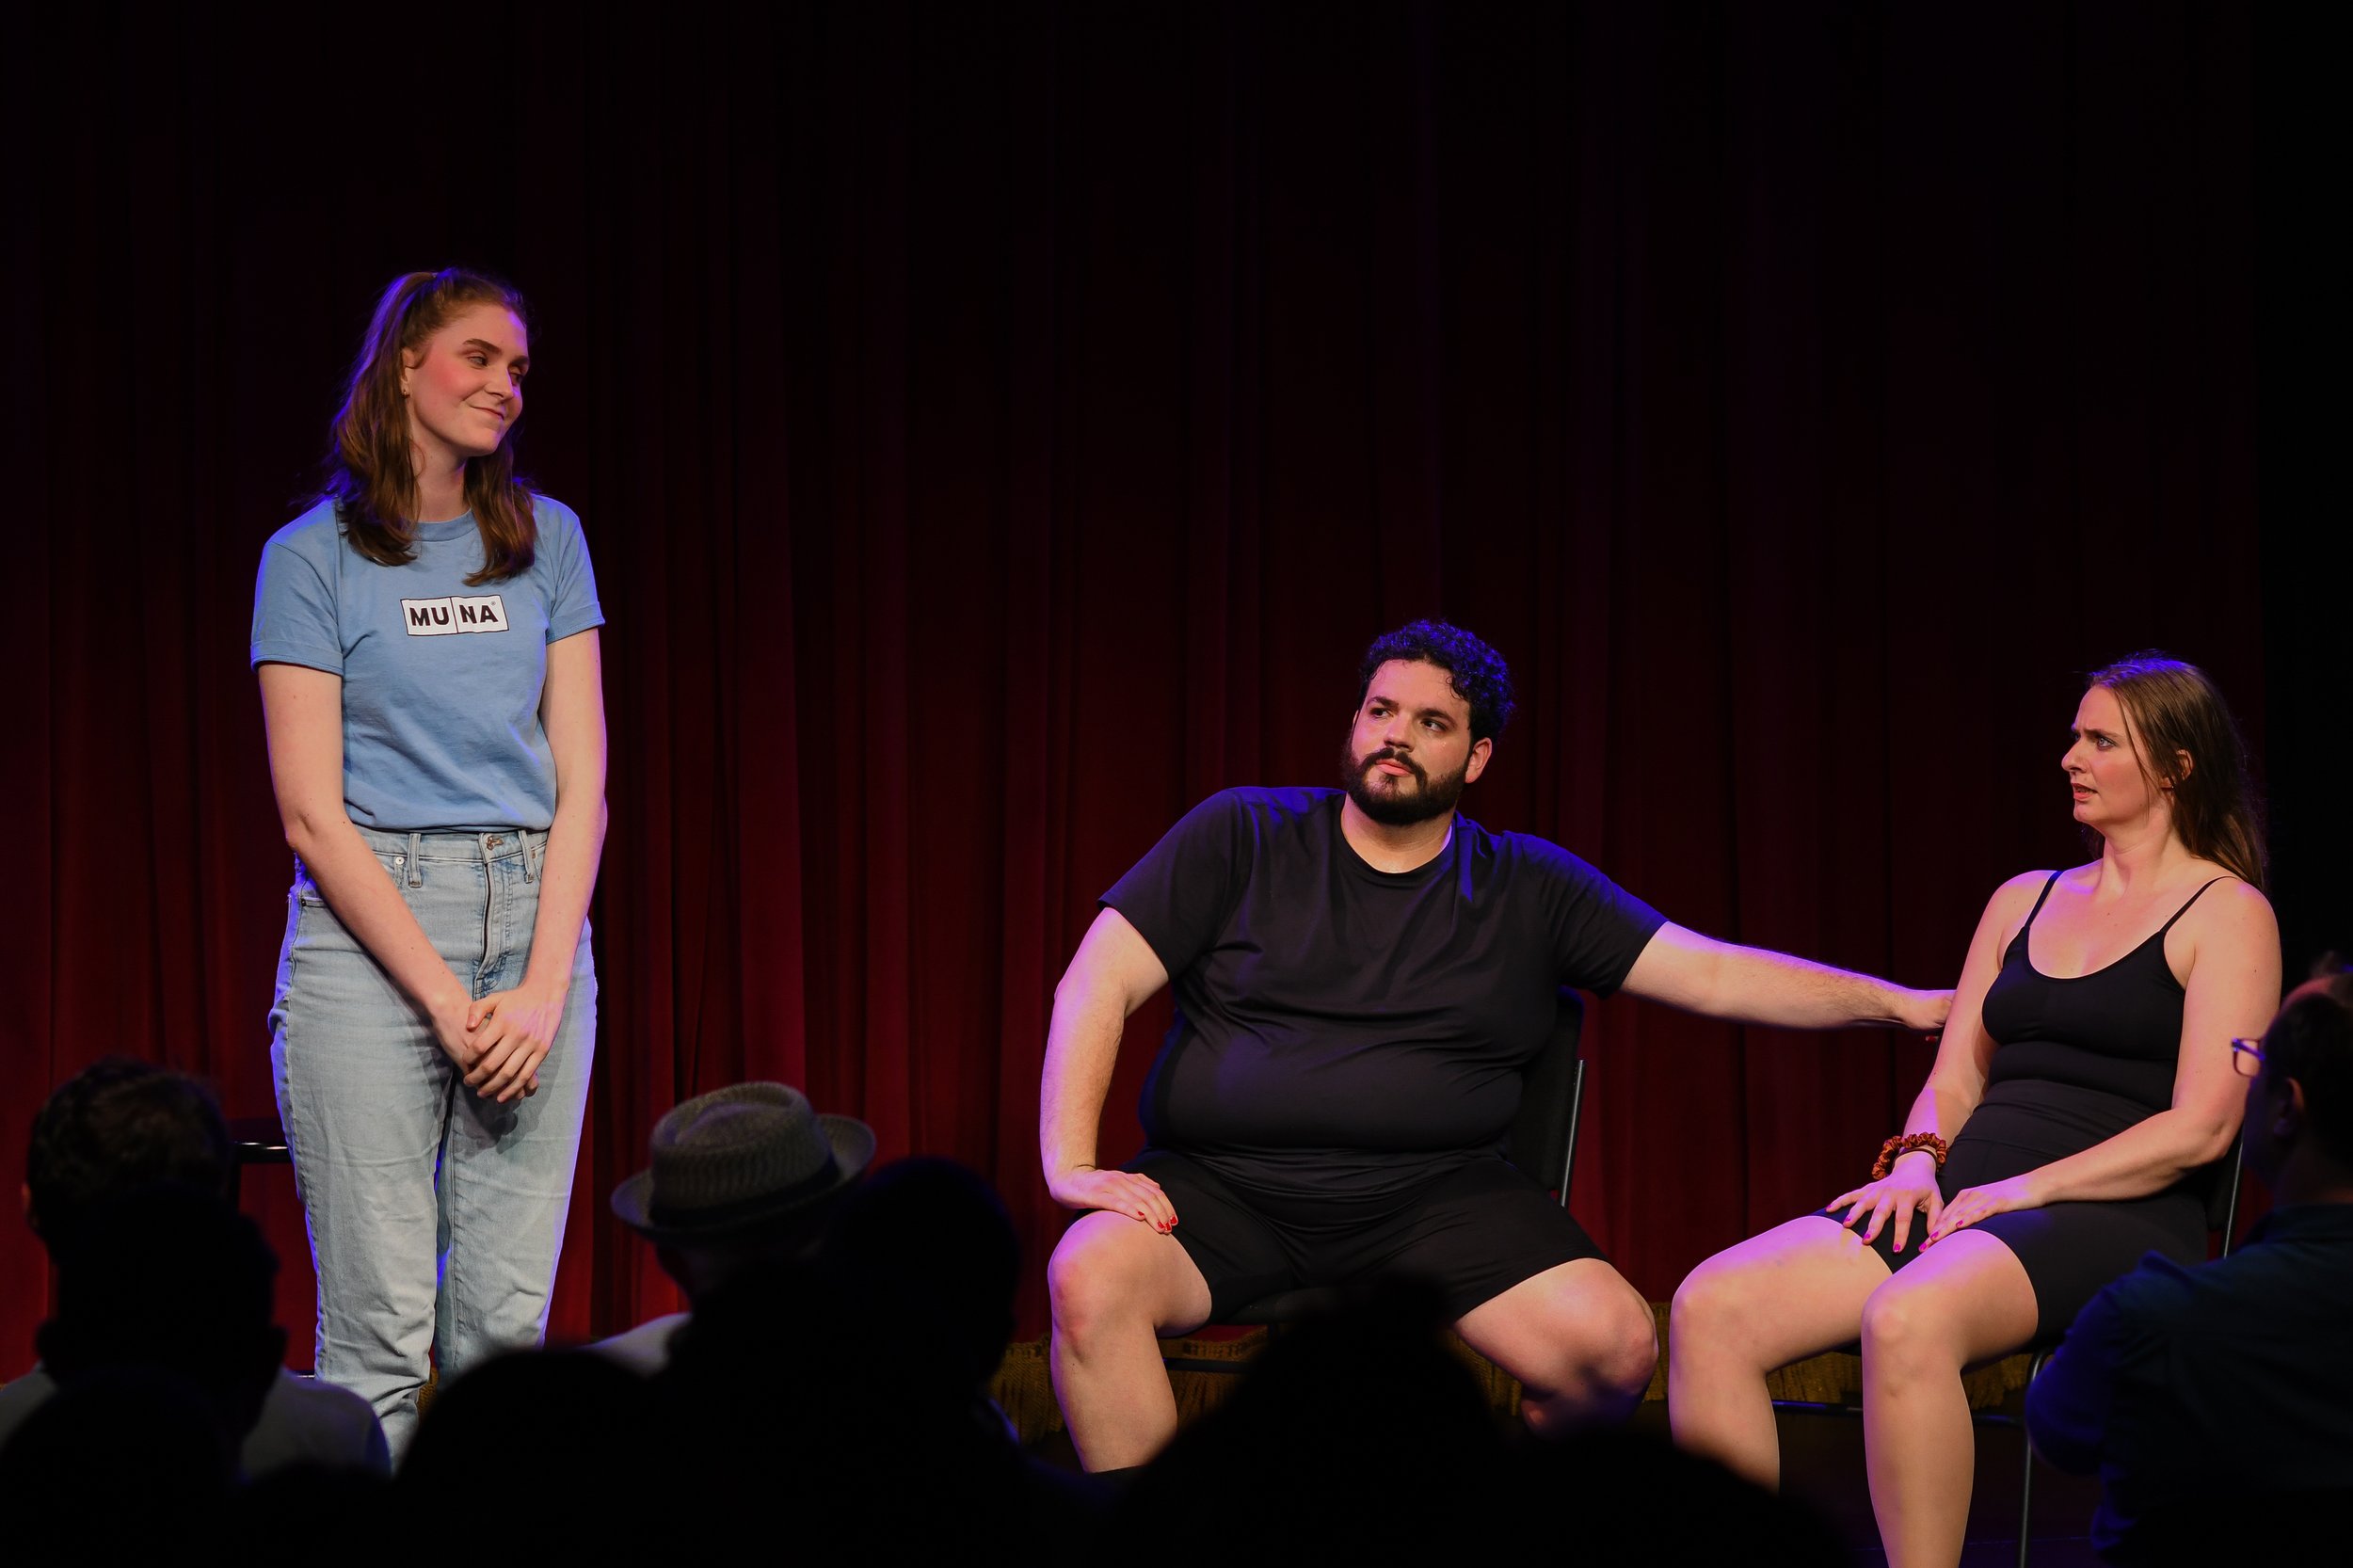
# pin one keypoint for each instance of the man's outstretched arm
(1114, 973)
(1698, 975)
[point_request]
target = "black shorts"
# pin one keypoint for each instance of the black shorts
(1474, 1233)
(2071, 1251)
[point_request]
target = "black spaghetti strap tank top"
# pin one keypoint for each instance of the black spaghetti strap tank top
(2077, 1062)
(2115, 1033)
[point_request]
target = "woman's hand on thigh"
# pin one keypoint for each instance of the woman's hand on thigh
(1972, 1204)
(1908, 1188)
(512, 1032)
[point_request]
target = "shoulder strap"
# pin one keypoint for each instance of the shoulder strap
(2185, 908)
(2038, 903)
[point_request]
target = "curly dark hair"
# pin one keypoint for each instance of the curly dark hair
(1477, 673)
(115, 1126)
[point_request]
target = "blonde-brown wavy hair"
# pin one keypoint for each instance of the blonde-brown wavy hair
(370, 468)
(2170, 707)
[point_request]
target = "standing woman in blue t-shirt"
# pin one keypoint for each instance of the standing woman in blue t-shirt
(425, 638)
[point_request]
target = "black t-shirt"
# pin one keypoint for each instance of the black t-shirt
(1343, 1033)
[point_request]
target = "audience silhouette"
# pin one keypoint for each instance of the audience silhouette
(115, 1126)
(1362, 1436)
(925, 1251)
(741, 1176)
(834, 1373)
(169, 1279)
(122, 1464)
(122, 1128)
(162, 1352)
(1353, 1436)
(2217, 1402)
(563, 1439)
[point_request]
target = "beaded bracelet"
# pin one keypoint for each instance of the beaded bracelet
(1897, 1147)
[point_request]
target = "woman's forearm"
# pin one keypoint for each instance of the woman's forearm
(1940, 1111)
(567, 876)
(2147, 1156)
(572, 705)
(368, 902)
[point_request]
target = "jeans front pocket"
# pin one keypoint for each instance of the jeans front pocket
(306, 887)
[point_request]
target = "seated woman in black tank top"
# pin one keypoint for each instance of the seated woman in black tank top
(2084, 1085)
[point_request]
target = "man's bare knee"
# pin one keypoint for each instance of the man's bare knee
(1628, 1354)
(1108, 1276)
(1088, 1284)
(1601, 1393)
(1605, 1370)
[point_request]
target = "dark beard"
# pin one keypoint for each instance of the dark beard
(1436, 797)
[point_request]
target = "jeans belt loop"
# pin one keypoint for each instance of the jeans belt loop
(522, 837)
(416, 859)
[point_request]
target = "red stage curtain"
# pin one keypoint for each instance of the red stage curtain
(998, 427)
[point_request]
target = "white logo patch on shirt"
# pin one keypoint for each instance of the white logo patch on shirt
(446, 617)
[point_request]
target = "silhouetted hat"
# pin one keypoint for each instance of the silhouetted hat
(737, 1157)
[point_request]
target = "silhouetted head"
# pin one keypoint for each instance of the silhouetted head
(526, 1432)
(113, 1128)
(926, 1244)
(2300, 1108)
(789, 1387)
(1357, 1436)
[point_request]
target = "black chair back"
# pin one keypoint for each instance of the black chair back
(1544, 1134)
(2223, 1180)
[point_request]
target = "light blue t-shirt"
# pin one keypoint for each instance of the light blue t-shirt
(441, 677)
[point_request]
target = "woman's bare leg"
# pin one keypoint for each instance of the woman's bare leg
(1966, 1299)
(1794, 1292)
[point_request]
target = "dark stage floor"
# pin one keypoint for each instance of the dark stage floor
(1822, 1462)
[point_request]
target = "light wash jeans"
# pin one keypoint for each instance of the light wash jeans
(436, 1216)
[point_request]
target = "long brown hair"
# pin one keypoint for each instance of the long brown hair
(371, 470)
(2171, 707)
